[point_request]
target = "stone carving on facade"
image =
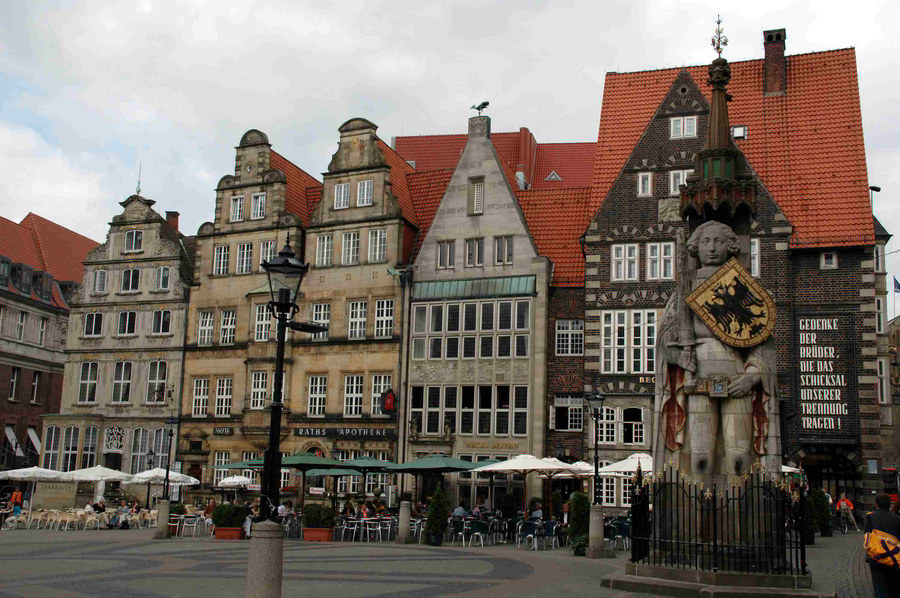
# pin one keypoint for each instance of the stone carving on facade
(164, 247)
(520, 371)
(114, 440)
(206, 229)
(669, 210)
(98, 253)
(357, 152)
(273, 175)
(289, 219)
(226, 182)
(485, 371)
(501, 371)
(713, 402)
(467, 370)
(254, 137)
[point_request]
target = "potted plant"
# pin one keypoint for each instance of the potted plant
(318, 523)
(809, 522)
(229, 521)
(436, 524)
(579, 522)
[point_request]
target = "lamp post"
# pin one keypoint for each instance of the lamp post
(595, 402)
(150, 456)
(171, 433)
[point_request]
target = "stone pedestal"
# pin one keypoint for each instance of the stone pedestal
(162, 521)
(264, 566)
(596, 549)
(403, 535)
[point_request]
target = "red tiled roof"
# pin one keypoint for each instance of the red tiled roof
(806, 145)
(557, 218)
(426, 190)
(298, 183)
(47, 246)
(439, 152)
(573, 162)
(400, 169)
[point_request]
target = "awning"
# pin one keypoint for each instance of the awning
(473, 288)
(35, 440)
(11, 437)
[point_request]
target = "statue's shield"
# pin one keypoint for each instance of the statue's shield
(734, 306)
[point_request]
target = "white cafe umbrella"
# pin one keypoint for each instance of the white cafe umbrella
(629, 466)
(157, 475)
(234, 481)
(31, 474)
(789, 469)
(97, 473)
(523, 464)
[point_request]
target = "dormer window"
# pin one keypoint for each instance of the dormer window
(4, 270)
(134, 240)
(739, 131)
(364, 192)
(341, 196)
(553, 176)
(237, 209)
(681, 127)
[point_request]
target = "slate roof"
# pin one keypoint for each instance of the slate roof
(806, 145)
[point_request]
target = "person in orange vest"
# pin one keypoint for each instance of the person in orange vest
(845, 507)
(16, 498)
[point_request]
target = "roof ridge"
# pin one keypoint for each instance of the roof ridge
(731, 62)
(398, 154)
(280, 155)
(36, 236)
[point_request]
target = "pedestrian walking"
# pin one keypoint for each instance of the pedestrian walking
(883, 548)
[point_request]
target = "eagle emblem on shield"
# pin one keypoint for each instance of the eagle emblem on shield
(734, 306)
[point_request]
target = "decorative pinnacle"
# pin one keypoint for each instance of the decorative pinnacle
(719, 41)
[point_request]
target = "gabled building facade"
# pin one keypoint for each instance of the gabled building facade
(124, 350)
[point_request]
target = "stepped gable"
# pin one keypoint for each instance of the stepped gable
(805, 144)
(298, 198)
(557, 218)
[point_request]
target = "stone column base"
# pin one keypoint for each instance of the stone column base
(266, 561)
(598, 552)
(162, 521)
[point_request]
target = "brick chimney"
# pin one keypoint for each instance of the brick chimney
(774, 66)
(172, 219)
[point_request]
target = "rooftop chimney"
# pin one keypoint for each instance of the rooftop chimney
(172, 219)
(774, 66)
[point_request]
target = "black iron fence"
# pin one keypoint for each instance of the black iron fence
(753, 526)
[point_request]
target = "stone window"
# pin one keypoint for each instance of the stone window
(93, 324)
(162, 321)
(220, 261)
(378, 245)
(131, 280)
(259, 389)
(341, 196)
(226, 330)
(476, 196)
(474, 252)
(660, 261)
(100, 281)
(121, 392)
(350, 249)
(828, 260)
(754, 257)
(51, 448)
(384, 318)
(570, 337)
(127, 323)
(205, 328)
(364, 192)
(878, 256)
(380, 383)
(446, 254)
(568, 413)
(70, 449)
(162, 278)
(884, 386)
(224, 388)
(469, 344)
(353, 395)
(682, 126)
(628, 341)
(324, 250)
(266, 253)
(263, 323)
(244, 263)
(487, 347)
(321, 314)
(677, 178)
(201, 399)
(87, 382)
(237, 209)
(156, 382)
(503, 249)
(258, 210)
(645, 184)
(624, 262)
(89, 447)
(134, 241)
(357, 320)
(633, 425)
(317, 397)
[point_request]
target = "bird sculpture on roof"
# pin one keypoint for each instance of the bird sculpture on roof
(480, 107)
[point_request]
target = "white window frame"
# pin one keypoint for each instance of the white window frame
(660, 261)
(220, 458)
(100, 278)
(131, 280)
(884, 384)
(157, 377)
(365, 192)
(205, 321)
(478, 197)
(644, 184)
(200, 398)
(624, 259)
(353, 395)
(608, 428)
(679, 127)
(89, 447)
(258, 206)
(570, 337)
(880, 316)
(350, 248)
(262, 322)
(134, 241)
(161, 322)
(123, 371)
(162, 278)
(88, 379)
(826, 262)
(224, 394)
(878, 258)
(236, 211)
(140, 444)
(474, 252)
(227, 326)
(52, 437)
(267, 252)
(259, 388)
(754, 257)
(679, 177)
(130, 317)
(384, 318)
(317, 395)
(220, 260)
(638, 428)
(574, 404)
(341, 196)
(378, 245)
(628, 337)
(324, 250)
(93, 324)
(35, 387)
(446, 254)
(244, 262)
(380, 383)
(503, 249)
(321, 314)
(356, 319)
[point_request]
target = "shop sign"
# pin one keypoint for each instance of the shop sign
(223, 431)
(491, 445)
(346, 432)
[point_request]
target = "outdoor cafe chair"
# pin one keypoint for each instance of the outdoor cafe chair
(352, 526)
(41, 517)
(550, 534)
(479, 528)
(191, 522)
(13, 521)
(91, 518)
(461, 528)
(527, 533)
(174, 522)
(388, 526)
(372, 526)
(610, 536)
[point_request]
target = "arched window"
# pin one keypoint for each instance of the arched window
(51, 448)
(139, 444)
(89, 449)
(70, 449)
(633, 426)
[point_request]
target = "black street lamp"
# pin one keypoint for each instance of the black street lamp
(285, 273)
(150, 456)
(171, 433)
(595, 403)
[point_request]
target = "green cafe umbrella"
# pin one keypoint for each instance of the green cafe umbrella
(367, 465)
(335, 473)
(304, 462)
(432, 464)
(249, 464)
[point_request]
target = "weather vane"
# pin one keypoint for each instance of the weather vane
(480, 107)
(719, 41)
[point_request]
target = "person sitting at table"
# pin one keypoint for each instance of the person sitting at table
(120, 517)
(538, 511)
(135, 508)
(283, 509)
(362, 510)
(461, 510)
(379, 507)
(15, 498)
(207, 512)
(348, 511)
(99, 506)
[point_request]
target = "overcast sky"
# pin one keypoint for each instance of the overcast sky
(89, 90)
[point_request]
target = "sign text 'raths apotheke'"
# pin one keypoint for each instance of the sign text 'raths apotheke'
(346, 432)
(823, 378)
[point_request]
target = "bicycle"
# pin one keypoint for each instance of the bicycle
(842, 522)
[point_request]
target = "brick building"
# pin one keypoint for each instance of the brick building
(810, 242)
(40, 270)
